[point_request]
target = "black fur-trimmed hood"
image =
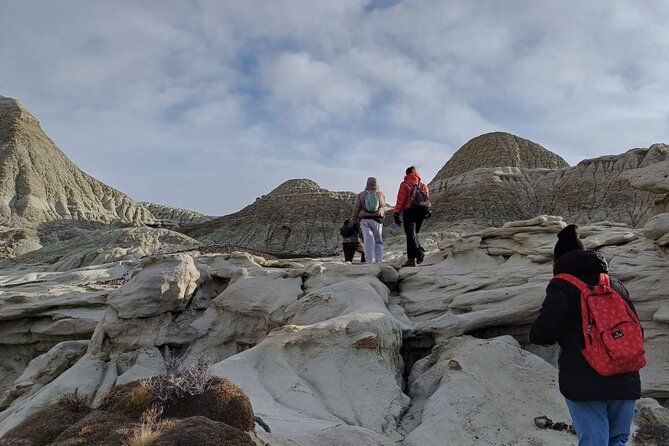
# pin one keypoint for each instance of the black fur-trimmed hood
(581, 263)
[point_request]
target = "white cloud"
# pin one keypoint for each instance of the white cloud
(167, 99)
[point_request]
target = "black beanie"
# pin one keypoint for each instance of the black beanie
(568, 241)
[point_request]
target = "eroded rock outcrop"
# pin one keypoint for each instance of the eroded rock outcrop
(485, 184)
(298, 218)
(171, 217)
(330, 352)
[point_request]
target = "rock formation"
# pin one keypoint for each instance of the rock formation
(331, 352)
(174, 218)
(485, 184)
(74, 246)
(497, 149)
(38, 183)
(298, 218)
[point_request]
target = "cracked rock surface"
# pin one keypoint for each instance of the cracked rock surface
(324, 348)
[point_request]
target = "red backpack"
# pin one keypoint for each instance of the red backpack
(612, 332)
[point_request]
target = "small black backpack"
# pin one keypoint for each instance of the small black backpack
(347, 229)
(420, 202)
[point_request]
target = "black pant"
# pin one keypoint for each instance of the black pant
(412, 224)
(351, 248)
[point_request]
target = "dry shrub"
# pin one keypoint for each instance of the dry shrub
(133, 398)
(222, 401)
(98, 428)
(150, 429)
(202, 431)
(182, 380)
(42, 427)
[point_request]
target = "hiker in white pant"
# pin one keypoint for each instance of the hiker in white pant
(372, 233)
(368, 210)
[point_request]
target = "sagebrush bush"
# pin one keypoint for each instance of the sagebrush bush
(75, 401)
(182, 380)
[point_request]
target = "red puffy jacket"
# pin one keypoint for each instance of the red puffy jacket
(404, 194)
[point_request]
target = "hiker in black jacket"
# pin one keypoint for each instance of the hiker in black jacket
(602, 407)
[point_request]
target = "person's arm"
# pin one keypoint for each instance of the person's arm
(426, 190)
(618, 286)
(401, 199)
(550, 324)
(382, 202)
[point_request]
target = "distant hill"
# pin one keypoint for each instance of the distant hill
(295, 219)
(38, 183)
(498, 177)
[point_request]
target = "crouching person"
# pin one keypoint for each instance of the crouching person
(351, 244)
(600, 355)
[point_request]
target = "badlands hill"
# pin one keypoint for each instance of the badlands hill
(485, 183)
(38, 183)
(53, 214)
(298, 218)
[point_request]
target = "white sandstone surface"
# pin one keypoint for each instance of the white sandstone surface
(333, 353)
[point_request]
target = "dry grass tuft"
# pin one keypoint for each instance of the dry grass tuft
(98, 428)
(84, 431)
(75, 401)
(150, 429)
(223, 401)
(181, 380)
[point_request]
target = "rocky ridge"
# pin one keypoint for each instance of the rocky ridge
(629, 188)
(174, 218)
(298, 218)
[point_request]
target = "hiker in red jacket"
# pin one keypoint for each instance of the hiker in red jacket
(602, 407)
(413, 215)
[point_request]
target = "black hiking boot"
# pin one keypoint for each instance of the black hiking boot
(420, 257)
(410, 262)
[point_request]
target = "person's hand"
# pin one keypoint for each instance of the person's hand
(397, 219)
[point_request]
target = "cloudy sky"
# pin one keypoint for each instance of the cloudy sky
(207, 105)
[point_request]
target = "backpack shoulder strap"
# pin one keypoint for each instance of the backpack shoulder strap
(578, 283)
(605, 280)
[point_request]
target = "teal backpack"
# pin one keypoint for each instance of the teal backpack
(371, 202)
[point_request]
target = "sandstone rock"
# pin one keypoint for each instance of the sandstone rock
(292, 390)
(164, 284)
(657, 229)
(84, 377)
(44, 369)
(322, 347)
(74, 247)
(491, 401)
(654, 177)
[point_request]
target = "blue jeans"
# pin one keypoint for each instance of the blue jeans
(602, 423)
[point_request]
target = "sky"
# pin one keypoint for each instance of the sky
(207, 105)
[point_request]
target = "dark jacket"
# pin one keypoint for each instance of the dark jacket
(560, 321)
